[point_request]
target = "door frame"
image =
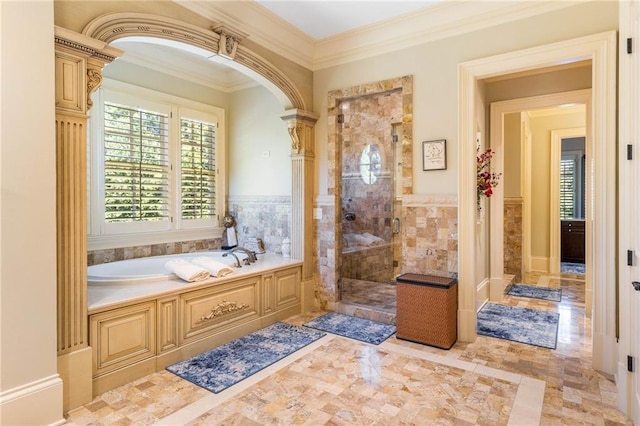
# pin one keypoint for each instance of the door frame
(601, 49)
(628, 383)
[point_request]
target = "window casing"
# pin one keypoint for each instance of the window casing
(155, 168)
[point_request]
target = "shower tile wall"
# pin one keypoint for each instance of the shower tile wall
(368, 123)
(513, 237)
(430, 235)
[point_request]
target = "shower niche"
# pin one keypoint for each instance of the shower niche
(369, 129)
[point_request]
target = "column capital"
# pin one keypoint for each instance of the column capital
(300, 124)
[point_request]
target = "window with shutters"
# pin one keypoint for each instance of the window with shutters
(567, 184)
(154, 166)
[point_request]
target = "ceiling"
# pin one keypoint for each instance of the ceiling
(321, 19)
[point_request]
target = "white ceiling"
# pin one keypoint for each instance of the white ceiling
(321, 18)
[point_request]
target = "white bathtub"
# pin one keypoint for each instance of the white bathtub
(147, 269)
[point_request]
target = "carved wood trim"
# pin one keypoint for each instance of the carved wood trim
(110, 27)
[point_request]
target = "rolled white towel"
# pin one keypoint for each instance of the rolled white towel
(361, 240)
(186, 270)
(217, 269)
(375, 240)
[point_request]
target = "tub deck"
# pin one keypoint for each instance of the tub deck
(107, 296)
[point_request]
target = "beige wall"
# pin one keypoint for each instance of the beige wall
(434, 67)
(541, 128)
(28, 359)
(511, 177)
(259, 145)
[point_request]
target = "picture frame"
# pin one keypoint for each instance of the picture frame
(434, 155)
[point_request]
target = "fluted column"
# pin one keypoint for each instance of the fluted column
(300, 125)
(78, 70)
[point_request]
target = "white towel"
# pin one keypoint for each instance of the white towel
(217, 269)
(186, 270)
(362, 240)
(376, 240)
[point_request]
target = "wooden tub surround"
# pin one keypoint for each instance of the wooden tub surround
(138, 329)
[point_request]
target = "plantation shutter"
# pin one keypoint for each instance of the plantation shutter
(567, 188)
(198, 169)
(136, 169)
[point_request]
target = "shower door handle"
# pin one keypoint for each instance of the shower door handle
(396, 225)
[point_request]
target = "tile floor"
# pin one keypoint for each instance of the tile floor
(339, 381)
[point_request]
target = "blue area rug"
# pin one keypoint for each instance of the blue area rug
(355, 328)
(226, 365)
(522, 325)
(522, 290)
(572, 268)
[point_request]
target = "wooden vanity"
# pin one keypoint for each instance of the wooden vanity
(572, 240)
(141, 331)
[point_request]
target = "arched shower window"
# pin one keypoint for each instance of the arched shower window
(370, 164)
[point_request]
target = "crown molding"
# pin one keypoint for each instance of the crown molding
(262, 26)
(440, 21)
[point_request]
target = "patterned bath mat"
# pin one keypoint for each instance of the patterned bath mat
(355, 328)
(226, 365)
(572, 268)
(524, 325)
(544, 293)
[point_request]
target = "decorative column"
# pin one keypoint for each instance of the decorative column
(78, 72)
(301, 130)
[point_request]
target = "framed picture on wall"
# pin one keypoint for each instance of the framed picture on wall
(434, 155)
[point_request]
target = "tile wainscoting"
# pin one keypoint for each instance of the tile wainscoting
(266, 217)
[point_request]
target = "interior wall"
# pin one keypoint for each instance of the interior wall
(512, 174)
(434, 67)
(30, 388)
(258, 145)
(541, 128)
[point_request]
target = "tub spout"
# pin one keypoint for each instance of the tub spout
(237, 265)
(251, 257)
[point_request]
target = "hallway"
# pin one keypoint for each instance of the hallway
(341, 381)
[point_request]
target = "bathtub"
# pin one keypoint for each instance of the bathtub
(147, 269)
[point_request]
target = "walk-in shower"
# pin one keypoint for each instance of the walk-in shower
(368, 133)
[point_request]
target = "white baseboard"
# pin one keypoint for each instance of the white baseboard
(482, 294)
(35, 403)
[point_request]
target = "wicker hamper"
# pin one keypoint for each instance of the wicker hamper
(427, 309)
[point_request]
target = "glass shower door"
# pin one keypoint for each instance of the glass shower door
(369, 225)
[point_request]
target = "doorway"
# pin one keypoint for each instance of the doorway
(601, 50)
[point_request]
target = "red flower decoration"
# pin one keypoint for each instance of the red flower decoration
(487, 179)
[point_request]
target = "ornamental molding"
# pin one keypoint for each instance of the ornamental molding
(221, 309)
(219, 39)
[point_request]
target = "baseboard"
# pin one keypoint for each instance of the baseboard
(467, 326)
(35, 403)
(482, 294)
(76, 371)
(539, 264)
(605, 359)
(623, 387)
